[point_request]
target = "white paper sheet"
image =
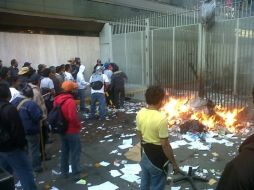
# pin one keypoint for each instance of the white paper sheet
(176, 188)
(124, 146)
(127, 141)
(103, 163)
(198, 145)
(131, 169)
(104, 186)
(113, 152)
(115, 173)
(130, 177)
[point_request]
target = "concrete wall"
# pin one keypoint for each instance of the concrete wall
(106, 44)
(48, 49)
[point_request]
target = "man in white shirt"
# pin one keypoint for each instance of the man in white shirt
(68, 76)
(98, 82)
(82, 84)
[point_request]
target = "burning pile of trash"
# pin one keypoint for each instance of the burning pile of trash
(201, 116)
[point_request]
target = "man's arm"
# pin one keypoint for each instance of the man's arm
(139, 136)
(167, 149)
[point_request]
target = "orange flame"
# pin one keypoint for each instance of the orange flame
(179, 110)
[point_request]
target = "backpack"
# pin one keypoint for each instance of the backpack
(5, 135)
(57, 120)
(97, 81)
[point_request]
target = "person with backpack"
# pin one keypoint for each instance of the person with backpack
(13, 156)
(70, 137)
(98, 82)
(30, 114)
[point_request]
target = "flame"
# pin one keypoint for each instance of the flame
(178, 111)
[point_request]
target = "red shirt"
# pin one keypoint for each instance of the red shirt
(69, 111)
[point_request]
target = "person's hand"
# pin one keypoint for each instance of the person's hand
(176, 169)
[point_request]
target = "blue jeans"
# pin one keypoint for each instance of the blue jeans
(33, 142)
(18, 161)
(81, 94)
(100, 97)
(152, 177)
(70, 148)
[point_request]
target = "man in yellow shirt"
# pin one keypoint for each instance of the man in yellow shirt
(153, 133)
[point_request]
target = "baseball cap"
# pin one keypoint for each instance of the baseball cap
(69, 86)
(23, 70)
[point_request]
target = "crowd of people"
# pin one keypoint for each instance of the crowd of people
(27, 97)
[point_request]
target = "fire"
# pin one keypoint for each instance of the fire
(179, 110)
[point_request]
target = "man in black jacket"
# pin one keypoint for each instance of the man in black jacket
(13, 156)
(118, 79)
(239, 173)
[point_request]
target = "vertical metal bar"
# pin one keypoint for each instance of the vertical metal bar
(147, 51)
(142, 56)
(173, 59)
(236, 56)
(125, 50)
(152, 57)
(200, 35)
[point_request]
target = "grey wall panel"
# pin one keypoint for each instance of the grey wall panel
(48, 49)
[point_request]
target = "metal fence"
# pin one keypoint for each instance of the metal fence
(186, 58)
(181, 17)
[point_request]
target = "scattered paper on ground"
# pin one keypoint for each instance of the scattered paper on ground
(176, 188)
(103, 163)
(212, 181)
(127, 141)
(54, 188)
(104, 186)
(130, 177)
(124, 146)
(115, 173)
(81, 182)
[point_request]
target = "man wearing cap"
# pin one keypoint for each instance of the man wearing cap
(99, 83)
(70, 141)
(24, 75)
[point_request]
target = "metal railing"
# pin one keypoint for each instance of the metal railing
(181, 57)
(239, 9)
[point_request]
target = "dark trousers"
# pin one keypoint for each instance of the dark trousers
(119, 96)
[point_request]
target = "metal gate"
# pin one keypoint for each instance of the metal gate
(188, 60)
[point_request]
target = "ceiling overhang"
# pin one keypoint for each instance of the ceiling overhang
(15, 21)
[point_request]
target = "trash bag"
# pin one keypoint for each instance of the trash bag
(208, 12)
